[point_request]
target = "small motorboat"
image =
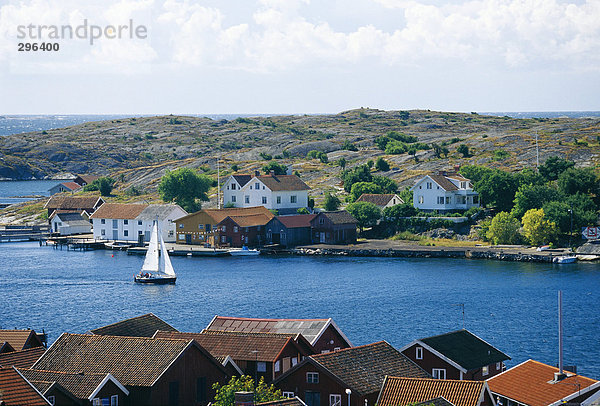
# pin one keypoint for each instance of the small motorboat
(565, 259)
(543, 248)
(157, 269)
(244, 251)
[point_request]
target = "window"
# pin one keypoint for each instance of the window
(247, 199)
(263, 187)
(429, 185)
(294, 361)
(182, 236)
(224, 229)
(52, 400)
(233, 186)
(293, 199)
(96, 402)
(125, 222)
(115, 223)
(264, 200)
(114, 400)
(288, 394)
(235, 229)
(485, 370)
(278, 199)
(337, 348)
(233, 199)
(139, 222)
(180, 225)
(324, 351)
(498, 366)
(447, 199)
(335, 400)
(419, 353)
(201, 389)
(463, 185)
(102, 221)
(438, 373)
(440, 200)
(312, 377)
(257, 186)
(103, 232)
(223, 239)
(321, 220)
(140, 232)
(200, 226)
(421, 200)
(277, 366)
(171, 232)
(261, 366)
(207, 228)
(126, 233)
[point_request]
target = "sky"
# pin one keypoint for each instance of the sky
(298, 56)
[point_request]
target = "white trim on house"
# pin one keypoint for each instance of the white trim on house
(438, 354)
(107, 378)
(32, 385)
(463, 198)
(332, 323)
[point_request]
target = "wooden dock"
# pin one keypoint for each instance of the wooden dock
(24, 233)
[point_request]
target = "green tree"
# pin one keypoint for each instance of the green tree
(559, 213)
(332, 202)
(361, 173)
(382, 165)
(406, 195)
(475, 172)
(529, 176)
(348, 146)
(464, 150)
(370, 163)
(554, 166)
(386, 184)
(104, 185)
(575, 180)
(497, 189)
(537, 228)
(225, 394)
(235, 167)
(398, 211)
(533, 197)
(360, 188)
(342, 163)
(184, 186)
(439, 150)
(504, 229)
(365, 213)
(302, 210)
(276, 167)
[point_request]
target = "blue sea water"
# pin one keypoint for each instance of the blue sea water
(511, 305)
(17, 191)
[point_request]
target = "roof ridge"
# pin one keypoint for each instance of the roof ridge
(100, 337)
(64, 372)
(265, 319)
(351, 348)
(463, 381)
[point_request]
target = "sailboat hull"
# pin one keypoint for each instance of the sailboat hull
(161, 280)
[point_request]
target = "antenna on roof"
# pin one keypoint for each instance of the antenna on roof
(462, 305)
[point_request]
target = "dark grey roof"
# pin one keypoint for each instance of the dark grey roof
(140, 326)
(242, 179)
(160, 211)
(73, 219)
(340, 217)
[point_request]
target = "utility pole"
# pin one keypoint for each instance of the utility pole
(537, 153)
(571, 227)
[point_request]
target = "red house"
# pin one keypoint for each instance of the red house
(154, 371)
(266, 355)
(249, 230)
(323, 334)
(325, 379)
(456, 355)
(334, 227)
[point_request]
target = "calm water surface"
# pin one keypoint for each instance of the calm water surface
(511, 305)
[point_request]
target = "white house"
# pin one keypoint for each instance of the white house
(64, 187)
(133, 222)
(381, 200)
(285, 193)
(444, 192)
(69, 223)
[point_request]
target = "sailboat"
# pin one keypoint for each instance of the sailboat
(157, 268)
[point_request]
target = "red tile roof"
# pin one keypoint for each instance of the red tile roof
(397, 391)
(364, 368)
(219, 215)
(252, 220)
(22, 359)
(71, 185)
(378, 199)
(311, 329)
(283, 182)
(239, 346)
(16, 390)
(141, 326)
(20, 339)
(5, 347)
(296, 221)
(72, 202)
(124, 211)
(133, 361)
(531, 383)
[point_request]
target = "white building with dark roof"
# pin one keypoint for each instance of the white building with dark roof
(69, 223)
(444, 192)
(285, 193)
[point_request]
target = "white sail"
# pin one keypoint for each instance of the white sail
(151, 260)
(166, 266)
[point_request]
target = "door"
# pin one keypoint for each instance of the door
(115, 234)
(312, 398)
(147, 236)
(188, 238)
(276, 238)
(321, 237)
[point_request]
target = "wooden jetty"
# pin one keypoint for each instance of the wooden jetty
(24, 233)
(184, 252)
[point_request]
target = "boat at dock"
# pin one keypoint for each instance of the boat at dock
(565, 259)
(244, 251)
(157, 267)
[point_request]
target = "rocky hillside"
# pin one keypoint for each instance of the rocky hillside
(137, 151)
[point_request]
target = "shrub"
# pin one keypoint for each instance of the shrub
(382, 165)
(504, 229)
(331, 202)
(537, 228)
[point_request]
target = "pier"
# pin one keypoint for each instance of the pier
(24, 233)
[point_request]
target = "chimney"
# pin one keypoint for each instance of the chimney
(244, 399)
(256, 173)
